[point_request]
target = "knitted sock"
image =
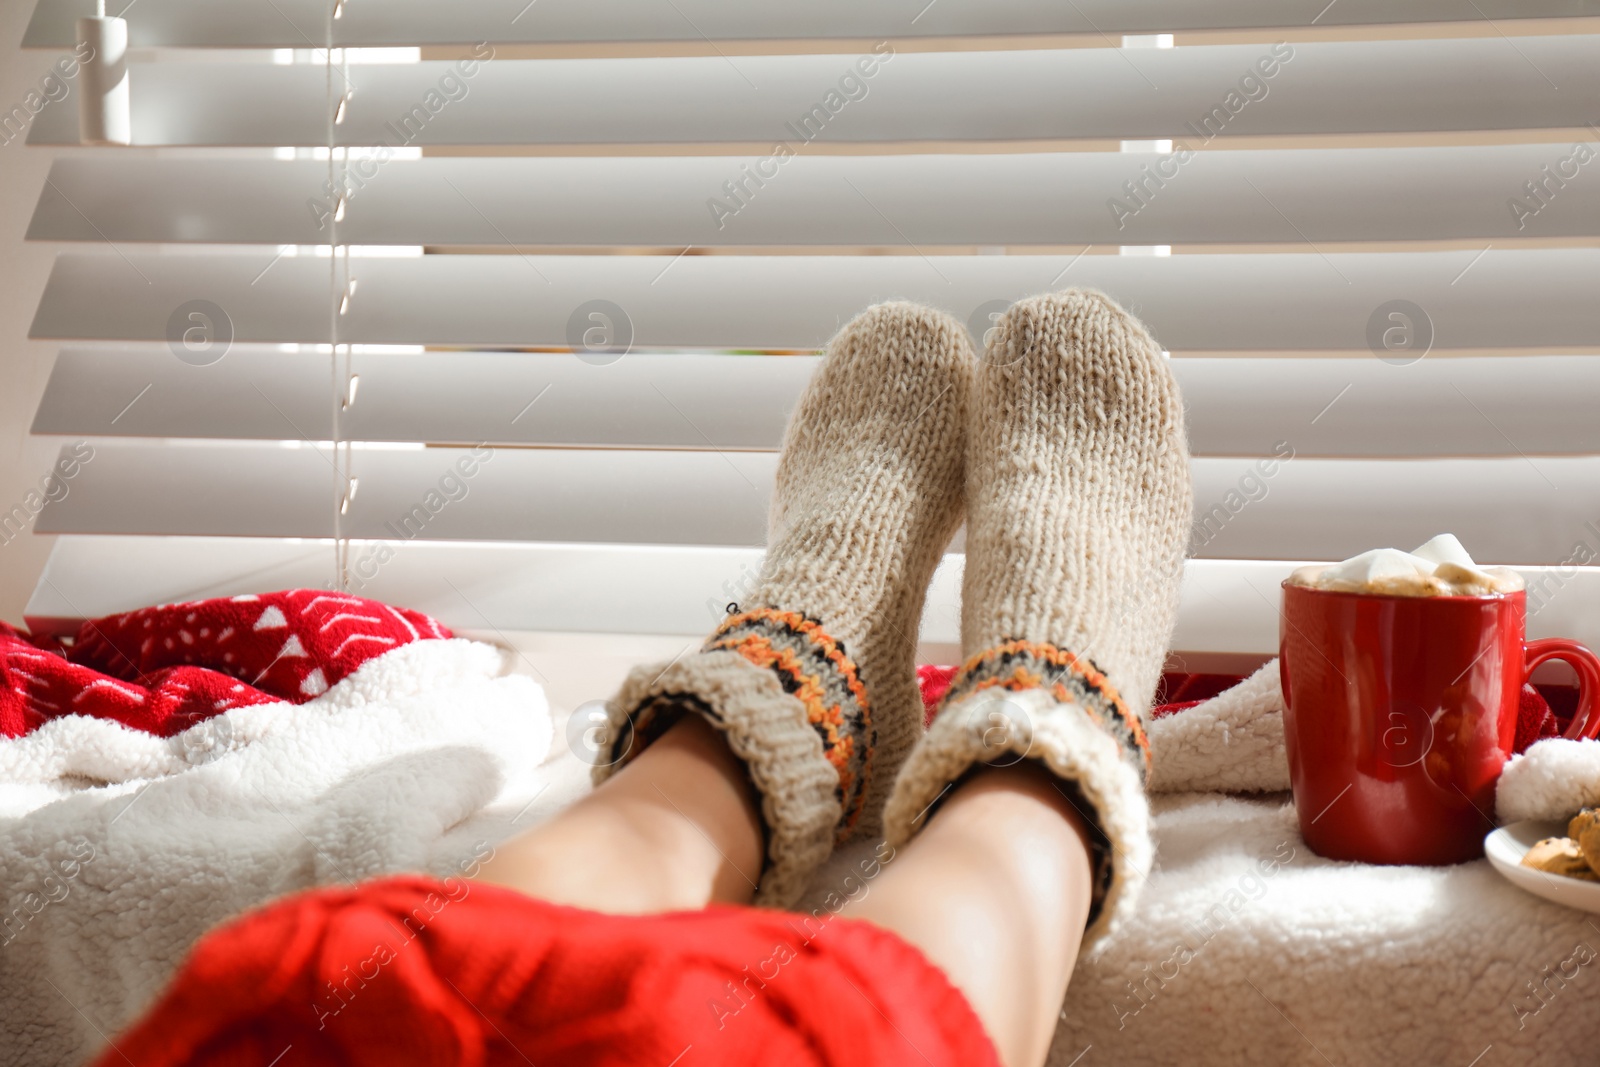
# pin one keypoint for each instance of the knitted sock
(813, 679)
(1078, 503)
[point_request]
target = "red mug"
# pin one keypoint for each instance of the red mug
(1399, 714)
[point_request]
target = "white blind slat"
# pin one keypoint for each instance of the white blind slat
(619, 497)
(299, 23)
(1265, 302)
(1228, 605)
(1379, 86)
(1532, 405)
(1245, 508)
(905, 202)
(672, 401)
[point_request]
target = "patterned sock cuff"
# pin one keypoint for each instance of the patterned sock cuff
(1096, 774)
(767, 730)
(1019, 665)
(814, 668)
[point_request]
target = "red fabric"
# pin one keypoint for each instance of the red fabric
(1535, 718)
(425, 973)
(166, 668)
(935, 683)
(1543, 711)
(1190, 689)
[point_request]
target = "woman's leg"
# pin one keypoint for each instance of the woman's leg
(995, 891)
(1078, 505)
(811, 678)
(678, 828)
(1068, 600)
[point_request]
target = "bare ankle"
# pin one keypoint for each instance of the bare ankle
(677, 828)
(1022, 787)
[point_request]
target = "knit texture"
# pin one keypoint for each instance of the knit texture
(1078, 500)
(812, 679)
(425, 972)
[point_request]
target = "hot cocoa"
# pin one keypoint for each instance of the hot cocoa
(1439, 568)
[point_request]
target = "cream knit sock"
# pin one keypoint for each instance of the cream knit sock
(1078, 502)
(813, 679)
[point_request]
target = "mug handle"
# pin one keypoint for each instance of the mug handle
(1586, 718)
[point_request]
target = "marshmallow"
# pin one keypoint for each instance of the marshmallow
(1445, 549)
(1376, 565)
(1453, 563)
(1441, 567)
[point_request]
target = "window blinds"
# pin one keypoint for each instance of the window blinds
(503, 306)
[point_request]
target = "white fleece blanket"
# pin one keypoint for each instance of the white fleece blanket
(118, 851)
(1248, 950)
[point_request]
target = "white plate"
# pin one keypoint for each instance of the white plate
(1505, 849)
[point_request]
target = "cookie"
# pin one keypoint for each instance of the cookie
(1560, 855)
(1585, 830)
(1584, 819)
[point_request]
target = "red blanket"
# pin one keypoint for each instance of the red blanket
(164, 669)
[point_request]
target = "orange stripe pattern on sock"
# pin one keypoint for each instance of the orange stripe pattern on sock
(1071, 679)
(814, 668)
